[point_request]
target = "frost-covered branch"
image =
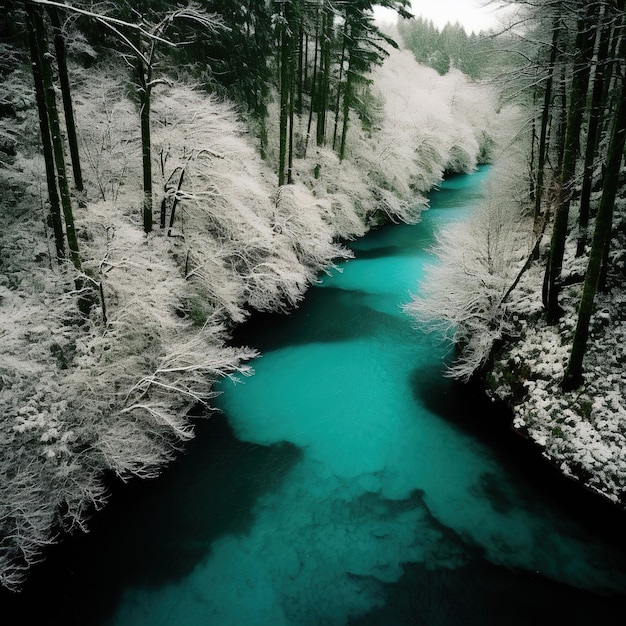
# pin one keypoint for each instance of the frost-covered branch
(463, 295)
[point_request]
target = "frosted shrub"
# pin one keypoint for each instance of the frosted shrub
(297, 213)
(427, 124)
(109, 133)
(463, 294)
(430, 124)
(109, 389)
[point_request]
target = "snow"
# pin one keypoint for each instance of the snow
(108, 389)
(582, 431)
(464, 295)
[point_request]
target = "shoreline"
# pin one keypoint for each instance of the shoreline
(586, 505)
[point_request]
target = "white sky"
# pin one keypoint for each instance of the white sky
(470, 13)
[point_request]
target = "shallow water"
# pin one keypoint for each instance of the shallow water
(344, 488)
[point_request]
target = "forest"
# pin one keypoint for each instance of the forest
(166, 171)
(534, 296)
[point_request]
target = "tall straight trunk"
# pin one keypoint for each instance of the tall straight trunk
(346, 115)
(144, 78)
(339, 83)
(305, 69)
(324, 88)
(68, 109)
(606, 260)
(320, 105)
(290, 105)
(562, 119)
(580, 82)
(595, 117)
(573, 377)
(313, 86)
(284, 80)
(347, 101)
(533, 148)
(57, 142)
(46, 140)
(545, 119)
(301, 61)
(611, 76)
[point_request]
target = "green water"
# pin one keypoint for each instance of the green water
(342, 485)
(382, 487)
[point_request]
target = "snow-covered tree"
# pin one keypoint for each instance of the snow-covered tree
(107, 389)
(463, 297)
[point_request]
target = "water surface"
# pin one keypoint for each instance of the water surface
(342, 484)
(383, 489)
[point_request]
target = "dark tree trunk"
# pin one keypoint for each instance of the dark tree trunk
(576, 108)
(595, 117)
(68, 109)
(284, 80)
(301, 61)
(291, 114)
(57, 141)
(324, 76)
(562, 119)
(313, 86)
(574, 372)
(545, 119)
(144, 78)
(46, 140)
(347, 101)
(339, 84)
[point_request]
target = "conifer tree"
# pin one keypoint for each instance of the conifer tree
(573, 377)
(576, 107)
(42, 71)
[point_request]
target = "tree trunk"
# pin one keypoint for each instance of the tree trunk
(577, 104)
(574, 372)
(611, 76)
(46, 141)
(339, 82)
(284, 96)
(292, 86)
(533, 147)
(324, 76)
(595, 116)
(545, 119)
(68, 109)
(313, 87)
(143, 75)
(347, 101)
(57, 142)
(301, 61)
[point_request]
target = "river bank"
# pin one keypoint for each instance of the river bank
(108, 392)
(348, 460)
(581, 432)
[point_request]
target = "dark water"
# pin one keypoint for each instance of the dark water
(347, 482)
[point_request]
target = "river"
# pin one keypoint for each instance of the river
(347, 482)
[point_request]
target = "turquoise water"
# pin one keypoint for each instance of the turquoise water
(380, 481)
(342, 487)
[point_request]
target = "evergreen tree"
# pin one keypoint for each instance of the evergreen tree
(42, 71)
(601, 238)
(576, 107)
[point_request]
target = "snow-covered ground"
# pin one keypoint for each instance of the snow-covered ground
(468, 298)
(582, 431)
(83, 394)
